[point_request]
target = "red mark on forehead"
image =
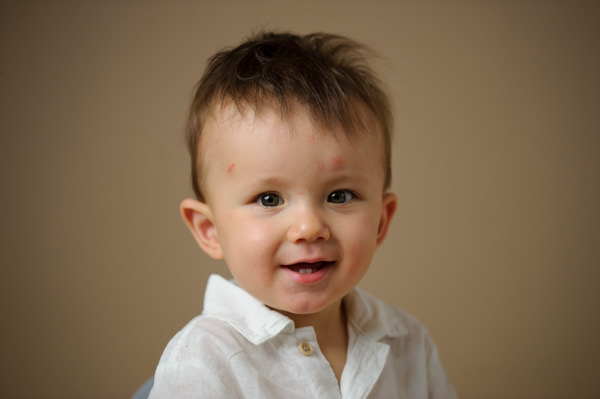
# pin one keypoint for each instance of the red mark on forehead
(231, 167)
(337, 163)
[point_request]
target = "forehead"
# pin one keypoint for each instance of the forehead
(236, 139)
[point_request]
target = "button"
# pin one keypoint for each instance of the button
(306, 349)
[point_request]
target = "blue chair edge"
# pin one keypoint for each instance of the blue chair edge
(144, 390)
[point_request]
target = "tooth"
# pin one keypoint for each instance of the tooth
(305, 271)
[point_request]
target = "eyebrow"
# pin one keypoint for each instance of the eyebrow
(276, 181)
(348, 178)
(263, 183)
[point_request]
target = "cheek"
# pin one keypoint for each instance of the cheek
(360, 239)
(251, 254)
(249, 241)
(256, 238)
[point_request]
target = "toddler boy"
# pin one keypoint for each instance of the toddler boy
(290, 144)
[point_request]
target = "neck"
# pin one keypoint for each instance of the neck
(330, 321)
(332, 334)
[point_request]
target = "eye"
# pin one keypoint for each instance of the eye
(269, 200)
(340, 196)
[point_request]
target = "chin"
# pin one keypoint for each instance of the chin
(308, 308)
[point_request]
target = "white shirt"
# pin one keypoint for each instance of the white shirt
(239, 348)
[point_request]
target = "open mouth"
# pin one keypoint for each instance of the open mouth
(308, 268)
(308, 273)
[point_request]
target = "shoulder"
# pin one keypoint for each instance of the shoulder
(413, 355)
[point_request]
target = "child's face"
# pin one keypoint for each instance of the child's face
(297, 214)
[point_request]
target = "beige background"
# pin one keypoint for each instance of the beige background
(496, 246)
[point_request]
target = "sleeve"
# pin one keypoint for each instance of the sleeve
(174, 381)
(439, 385)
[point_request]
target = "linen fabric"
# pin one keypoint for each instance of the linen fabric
(239, 348)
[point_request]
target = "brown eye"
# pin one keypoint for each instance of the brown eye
(340, 197)
(269, 200)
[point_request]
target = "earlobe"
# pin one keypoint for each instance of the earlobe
(388, 208)
(199, 219)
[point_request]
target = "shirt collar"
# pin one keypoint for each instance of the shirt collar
(227, 301)
(372, 317)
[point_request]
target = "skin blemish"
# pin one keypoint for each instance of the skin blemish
(231, 167)
(312, 138)
(336, 163)
(321, 166)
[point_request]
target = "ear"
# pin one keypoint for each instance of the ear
(388, 208)
(199, 219)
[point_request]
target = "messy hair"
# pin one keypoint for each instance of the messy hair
(328, 74)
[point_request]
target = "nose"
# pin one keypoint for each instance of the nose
(308, 226)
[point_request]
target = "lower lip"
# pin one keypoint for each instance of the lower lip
(308, 278)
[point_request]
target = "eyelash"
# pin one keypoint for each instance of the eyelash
(346, 196)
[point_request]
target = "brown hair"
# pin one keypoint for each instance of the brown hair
(326, 73)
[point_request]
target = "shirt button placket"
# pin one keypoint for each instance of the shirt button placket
(306, 349)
